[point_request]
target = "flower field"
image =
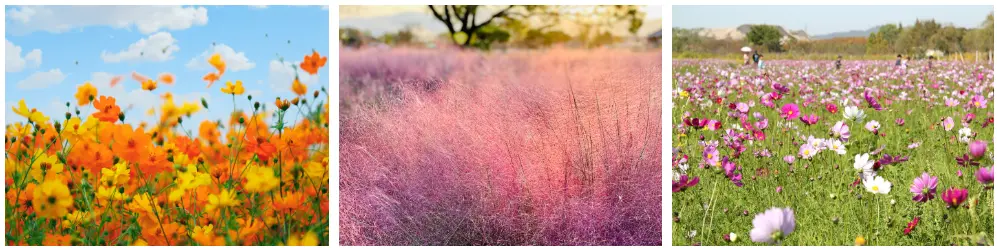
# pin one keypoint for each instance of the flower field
(91, 176)
(530, 147)
(801, 153)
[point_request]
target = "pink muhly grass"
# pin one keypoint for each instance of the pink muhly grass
(518, 148)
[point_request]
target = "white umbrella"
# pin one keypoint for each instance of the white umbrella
(746, 49)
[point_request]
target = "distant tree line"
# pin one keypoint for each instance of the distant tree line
(914, 39)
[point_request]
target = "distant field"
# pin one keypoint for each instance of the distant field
(778, 132)
(555, 147)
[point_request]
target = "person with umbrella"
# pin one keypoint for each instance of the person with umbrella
(745, 51)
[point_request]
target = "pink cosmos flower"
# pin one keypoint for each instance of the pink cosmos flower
(773, 225)
(985, 175)
(977, 149)
(948, 123)
(924, 187)
(790, 111)
(978, 101)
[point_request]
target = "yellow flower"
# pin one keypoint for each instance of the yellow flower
(224, 199)
(77, 217)
(216, 61)
(149, 85)
(18, 130)
(52, 200)
(187, 179)
(45, 166)
(684, 93)
(32, 114)
(859, 241)
(303, 239)
(140, 242)
(189, 108)
(234, 89)
(298, 87)
(260, 179)
(109, 193)
(315, 170)
(85, 94)
(117, 176)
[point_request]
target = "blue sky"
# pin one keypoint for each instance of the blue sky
(44, 43)
(818, 19)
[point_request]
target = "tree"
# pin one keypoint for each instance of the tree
(766, 35)
(465, 18)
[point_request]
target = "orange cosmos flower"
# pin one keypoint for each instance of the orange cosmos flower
(108, 111)
(211, 78)
(115, 80)
(298, 88)
(58, 240)
(288, 202)
(313, 63)
(131, 144)
(166, 78)
(261, 146)
(209, 131)
(139, 77)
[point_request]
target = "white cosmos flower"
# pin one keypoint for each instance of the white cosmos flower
(854, 113)
(877, 186)
(872, 125)
(965, 134)
(836, 146)
(864, 165)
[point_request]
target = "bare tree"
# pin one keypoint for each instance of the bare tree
(463, 19)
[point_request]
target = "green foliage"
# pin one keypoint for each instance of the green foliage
(488, 35)
(765, 35)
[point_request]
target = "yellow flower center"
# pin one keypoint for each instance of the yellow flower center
(875, 188)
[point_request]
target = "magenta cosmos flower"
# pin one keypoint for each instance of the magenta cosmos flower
(790, 111)
(985, 175)
(773, 225)
(809, 119)
(683, 183)
(924, 187)
(954, 197)
(977, 149)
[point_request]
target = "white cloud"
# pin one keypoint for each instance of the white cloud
(147, 19)
(42, 79)
(282, 76)
(234, 61)
(156, 48)
(15, 63)
(258, 6)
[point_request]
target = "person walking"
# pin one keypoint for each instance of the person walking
(837, 64)
(746, 58)
(761, 63)
(899, 58)
(756, 57)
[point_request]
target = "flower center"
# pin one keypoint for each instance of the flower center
(875, 188)
(51, 200)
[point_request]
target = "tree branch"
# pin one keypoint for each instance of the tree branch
(442, 19)
(475, 27)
